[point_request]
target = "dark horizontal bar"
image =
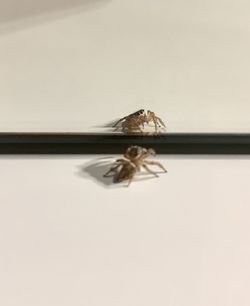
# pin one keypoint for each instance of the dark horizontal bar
(77, 143)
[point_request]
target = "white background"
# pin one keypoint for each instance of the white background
(68, 237)
(76, 65)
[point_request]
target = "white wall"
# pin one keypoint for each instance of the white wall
(69, 238)
(75, 65)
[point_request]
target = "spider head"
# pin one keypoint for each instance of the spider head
(141, 111)
(137, 152)
(134, 151)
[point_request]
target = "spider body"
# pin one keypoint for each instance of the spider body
(126, 168)
(134, 123)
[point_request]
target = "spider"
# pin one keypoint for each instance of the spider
(134, 123)
(126, 168)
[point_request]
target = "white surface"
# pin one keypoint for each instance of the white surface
(67, 238)
(76, 65)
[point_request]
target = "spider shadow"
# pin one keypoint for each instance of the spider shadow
(18, 14)
(96, 169)
(109, 126)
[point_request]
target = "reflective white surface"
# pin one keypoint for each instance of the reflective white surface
(69, 238)
(77, 65)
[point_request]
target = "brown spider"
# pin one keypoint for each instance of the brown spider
(134, 123)
(125, 169)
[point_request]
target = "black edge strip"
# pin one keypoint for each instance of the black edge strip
(63, 143)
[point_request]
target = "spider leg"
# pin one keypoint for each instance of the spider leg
(113, 169)
(150, 162)
(155, 123)
(134, 129)
(130, 180)
(151, 118)
(147, 153)
(117, 122)
(139, 128)
(161, 122)
(118, 163)
(150, 171)
(116, 127)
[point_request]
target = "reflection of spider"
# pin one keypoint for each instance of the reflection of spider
(125, 169)
(134, 123)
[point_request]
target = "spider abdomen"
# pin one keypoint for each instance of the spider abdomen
(127, 172)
